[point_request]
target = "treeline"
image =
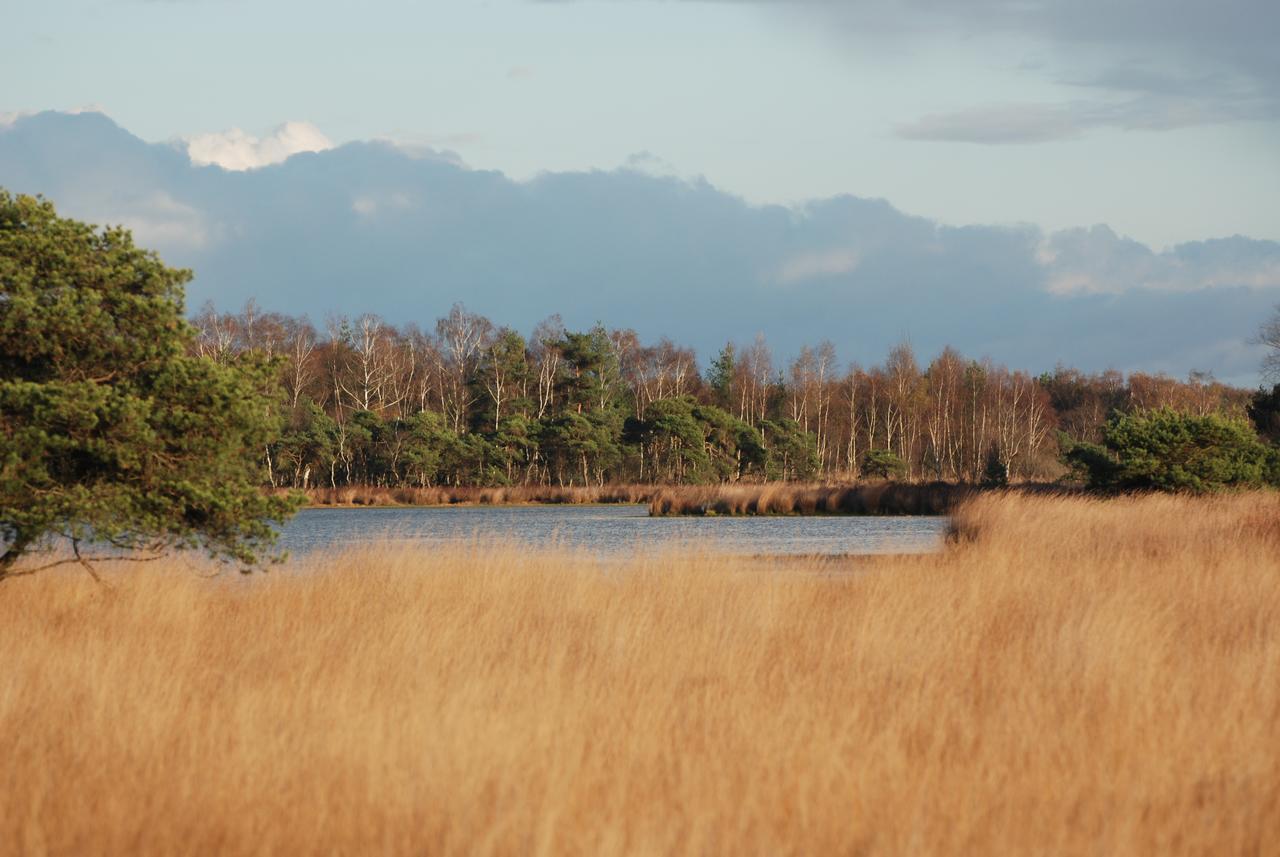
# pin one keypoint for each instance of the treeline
(363, 402)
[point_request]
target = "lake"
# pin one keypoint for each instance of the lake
(609, 530)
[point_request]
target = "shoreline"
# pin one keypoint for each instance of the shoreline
(856, 499)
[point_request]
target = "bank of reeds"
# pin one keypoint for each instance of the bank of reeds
(1070, 676)
(444, 495)
(771, 498)
(786, 498)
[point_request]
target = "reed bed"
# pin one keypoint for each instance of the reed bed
(808, 499)
(770, 498)
(1070, 676)
(784, 498)
(514, 495)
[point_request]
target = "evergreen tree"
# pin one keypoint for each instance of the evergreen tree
(1172, 451)
(721, 375)
(1264, 413)
(110, 431)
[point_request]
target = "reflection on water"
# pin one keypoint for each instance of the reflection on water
(609, 530)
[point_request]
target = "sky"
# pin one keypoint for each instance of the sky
(1159, 118)
(1091, 183)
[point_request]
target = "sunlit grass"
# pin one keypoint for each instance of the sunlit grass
(1071, 676)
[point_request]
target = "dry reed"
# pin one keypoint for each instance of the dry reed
(1071, 676)
(470, 495)
(790, 498)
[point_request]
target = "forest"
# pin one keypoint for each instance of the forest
(362, 401)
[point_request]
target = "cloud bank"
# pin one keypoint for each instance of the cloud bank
(366, 227)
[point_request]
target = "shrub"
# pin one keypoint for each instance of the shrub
(1172, 451)
(883, 464)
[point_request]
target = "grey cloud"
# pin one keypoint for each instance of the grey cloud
(1176, 63)
(367, 227)
(1002, 123)
(1040, 123)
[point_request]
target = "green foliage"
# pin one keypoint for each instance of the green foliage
(720, 378)
(501, 376)
(110, 431)
(685, 441)
(591, 379)
(308, 445)
(883, 464)
(1271, 469)
(1172, 451)
(581, 447)
(1091, 463)
(1264, 413)
(996, 473)
(677, 441)
(424, 451)
(734, 448)
(793, 452)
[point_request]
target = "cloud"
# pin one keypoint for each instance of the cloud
(370, 204)
(1148, 65)
(1098, 261)
(810, 266)
(159, 220)
(1040, 122)
(1000, 123)
(648, 163)
(368, 228)
(9, 118)
(439, 147)
(520, 72)
(236, 150)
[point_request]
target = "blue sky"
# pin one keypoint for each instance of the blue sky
(1092, 183)
(1156, 117)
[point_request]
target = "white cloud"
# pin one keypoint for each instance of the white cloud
(157, 220)
(809, 266)
(164, 221)
(1098, 261)
(237, 150)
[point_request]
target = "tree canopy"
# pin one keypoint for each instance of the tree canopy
(111, 431)
(1171, 451)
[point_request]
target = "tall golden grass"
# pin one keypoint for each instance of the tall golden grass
(1070, 676)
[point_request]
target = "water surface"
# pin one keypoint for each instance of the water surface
(609, 530)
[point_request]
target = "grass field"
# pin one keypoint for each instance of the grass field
(1071, 676)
